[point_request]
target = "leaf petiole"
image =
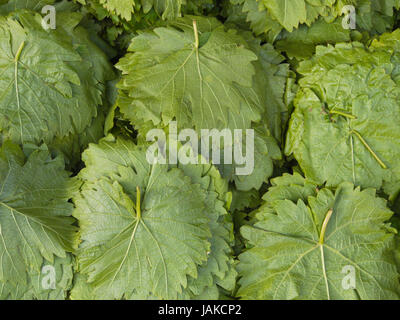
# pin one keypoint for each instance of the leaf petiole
(344, 114)
(18, 54)
(324, 225)
(138, 210)
(369, 148)
(196, 34)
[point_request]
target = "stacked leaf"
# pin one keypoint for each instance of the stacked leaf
(58, 99)
(298, 26)
(203, 76)
(123, 19)
(36, 228)
(310, 243)
(345, 124)
(150, 231)
(167, 10)
(52, 282)
(202, 88)
(7, 6)
(272, 16)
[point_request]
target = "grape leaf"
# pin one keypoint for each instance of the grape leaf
(304, 249)
(35, 215)
(191, 75)
(44, 95)
(135, 255)
(344, 125)
(40, 285)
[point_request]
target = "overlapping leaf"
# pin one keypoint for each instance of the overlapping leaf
(305, 241)
(166, 9)
(299, 26)
(274, 15)
(219, 82)
(160, 250)
(7, 6)
(52, 282)
(344, 127)
(45, 95)
(202, 77)
(35, 215)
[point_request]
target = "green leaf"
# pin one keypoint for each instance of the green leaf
(44, 95)
(271, 16)
(14, 5)
(134, 253)
(299, 25)
(131, 10)
(39, 286)
(266, 151)
(123, 8)
(301, 43)
(377, 16)
(168, 9)
(260, 19)
(244, 199)
(207, 90)
(270, 85)
(302, 249)
(344, 125)
(205, 83)
(35, 215)
(219, 267)
(289, 13)
(130, 252)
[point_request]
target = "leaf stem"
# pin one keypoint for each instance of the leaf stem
(353, 161)
(16, 59)
(324, 225)
(369, 149)
(138, 210)
(196, 34)
(18, 54)
(344, 114)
